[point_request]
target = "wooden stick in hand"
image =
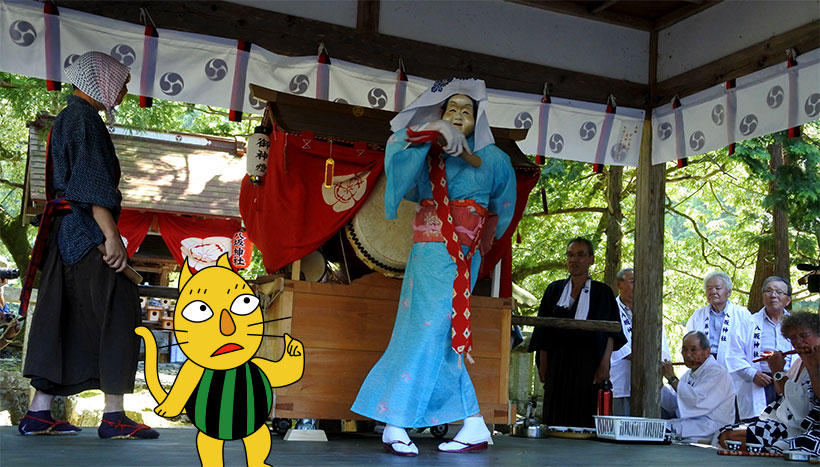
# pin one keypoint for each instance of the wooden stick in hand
(765, 356)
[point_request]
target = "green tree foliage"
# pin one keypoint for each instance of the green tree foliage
(717, 210)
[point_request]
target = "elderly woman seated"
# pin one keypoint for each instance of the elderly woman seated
(791, 423)
(703, 399)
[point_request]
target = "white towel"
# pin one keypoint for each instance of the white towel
(566, 301)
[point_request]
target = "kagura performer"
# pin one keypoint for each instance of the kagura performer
(422, 380)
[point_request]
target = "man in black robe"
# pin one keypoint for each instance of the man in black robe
(82, 333)
(571, 363)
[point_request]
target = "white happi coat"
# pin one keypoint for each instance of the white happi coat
(705, 402)
(745, 346)
(620, 368)
(735, 315)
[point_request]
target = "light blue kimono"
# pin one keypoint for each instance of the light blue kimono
(418, 382)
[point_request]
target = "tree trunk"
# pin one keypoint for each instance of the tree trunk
(780, 221)
(763, 269)
(614, 234)
(14, 235)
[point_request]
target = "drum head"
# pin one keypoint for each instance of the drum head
(384, 245)
(314, 266)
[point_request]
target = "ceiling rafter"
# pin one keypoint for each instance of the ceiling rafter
(614, 11)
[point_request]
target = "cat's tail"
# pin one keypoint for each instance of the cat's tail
(151, 370)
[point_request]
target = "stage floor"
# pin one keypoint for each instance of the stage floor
(175, 446)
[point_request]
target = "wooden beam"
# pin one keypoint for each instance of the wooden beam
(740, 63)
(682, 13)
(648, 301)
(579, 10)
(292, 36)
(565, 323)
(158, 292)
(367, 16)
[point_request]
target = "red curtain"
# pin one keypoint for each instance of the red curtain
(311, 190)
(133, 226)
(201, 240)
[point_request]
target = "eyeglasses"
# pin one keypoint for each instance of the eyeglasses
(801, 335)
(577, 255)
(775, 292)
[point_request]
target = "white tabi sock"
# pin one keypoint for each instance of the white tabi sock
(394, 433)
(474, 431)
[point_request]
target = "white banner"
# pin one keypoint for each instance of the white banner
(213, 71)
(770, 100)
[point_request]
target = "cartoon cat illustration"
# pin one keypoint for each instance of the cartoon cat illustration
(224, 389)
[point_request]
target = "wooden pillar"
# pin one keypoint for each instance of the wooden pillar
(647, 309)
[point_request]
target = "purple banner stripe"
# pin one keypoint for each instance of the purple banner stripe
(149, 66)
(603, 140)
(543, 121)
(239, 76)
(54, 70)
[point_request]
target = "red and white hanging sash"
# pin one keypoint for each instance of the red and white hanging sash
(461, 334)
(55, 207)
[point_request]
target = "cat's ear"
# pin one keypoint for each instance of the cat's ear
(184, 275)
(224, 262)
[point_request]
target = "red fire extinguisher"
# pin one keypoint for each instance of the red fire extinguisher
(605, 398)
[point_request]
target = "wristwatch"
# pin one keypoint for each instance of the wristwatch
(672, 380)
(779, 376)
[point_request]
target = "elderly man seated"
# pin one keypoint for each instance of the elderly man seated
(702, 400)
(756, 338)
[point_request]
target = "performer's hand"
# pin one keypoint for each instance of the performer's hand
(115, 254)
(762, 379)
(776, 361)
(456, 142)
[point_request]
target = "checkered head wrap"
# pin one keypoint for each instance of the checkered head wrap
(100, 76)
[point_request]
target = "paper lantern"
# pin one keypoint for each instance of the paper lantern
(257, 154)
(241, 250)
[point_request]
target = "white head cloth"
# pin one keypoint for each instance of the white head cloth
(100, 76)
(426, 107)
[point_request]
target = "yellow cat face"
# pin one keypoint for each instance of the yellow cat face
(217, 320)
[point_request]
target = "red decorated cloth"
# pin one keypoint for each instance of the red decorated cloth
(293, 212)
(201, 241)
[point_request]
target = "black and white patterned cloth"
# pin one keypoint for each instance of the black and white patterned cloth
(774, 435)
(101, 77)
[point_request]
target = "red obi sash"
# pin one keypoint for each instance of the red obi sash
(473, 224)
